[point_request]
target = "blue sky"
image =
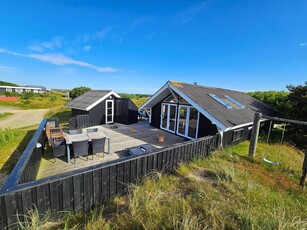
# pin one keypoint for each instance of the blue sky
(136, 46)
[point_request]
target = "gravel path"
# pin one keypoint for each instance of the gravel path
(22, 118)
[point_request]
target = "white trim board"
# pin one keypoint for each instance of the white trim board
(106, 114)
(102, 99)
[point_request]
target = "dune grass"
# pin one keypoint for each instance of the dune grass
(224, 191)
(4, 115)
(37, 101)
(13, 142)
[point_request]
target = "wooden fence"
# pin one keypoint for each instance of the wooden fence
(85, 188)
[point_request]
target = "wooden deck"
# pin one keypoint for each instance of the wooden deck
(121, 138)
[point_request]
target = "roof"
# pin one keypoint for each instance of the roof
(198, 96)
(90, 99)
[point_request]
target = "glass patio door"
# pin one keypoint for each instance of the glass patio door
(109, 111)
(168, 117)
(187, 121)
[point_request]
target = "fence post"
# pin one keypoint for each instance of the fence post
(255, 134)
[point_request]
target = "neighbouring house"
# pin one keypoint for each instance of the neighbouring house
(195, 111)
(100, 107)
(23, 89)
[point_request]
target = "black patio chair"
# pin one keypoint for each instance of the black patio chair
(80, 148)
(97, 146)
(58, 147)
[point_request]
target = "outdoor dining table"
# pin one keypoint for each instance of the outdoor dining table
(84, 136)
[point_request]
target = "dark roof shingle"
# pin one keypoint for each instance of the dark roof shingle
(229, 117)
(87, 99)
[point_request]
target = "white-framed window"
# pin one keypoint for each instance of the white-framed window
(18, 90)
(9, 90)
(237, 134)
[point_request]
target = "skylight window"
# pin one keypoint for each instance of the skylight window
(235, 102)
(228, 106)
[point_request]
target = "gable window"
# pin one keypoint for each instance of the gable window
(170, 99)
(235, 102)
(237, 134)
(228, 106)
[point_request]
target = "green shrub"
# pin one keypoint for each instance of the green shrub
(7, 135)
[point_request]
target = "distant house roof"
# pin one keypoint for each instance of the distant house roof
(90, 99)
(240, 110)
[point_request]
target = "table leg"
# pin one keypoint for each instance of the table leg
(68, 153)
(109, 145)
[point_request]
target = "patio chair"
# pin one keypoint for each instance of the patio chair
(92, 130)
(80, 148)
(77, 131)
(58, 147)
(97, 146)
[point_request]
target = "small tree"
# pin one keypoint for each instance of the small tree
(76, 92)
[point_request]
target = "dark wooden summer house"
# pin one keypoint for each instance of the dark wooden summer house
(98, 107)
(195, 111)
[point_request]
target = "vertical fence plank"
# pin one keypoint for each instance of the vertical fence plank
(133, 171)
(88, 190)
(119, 178)
(78, 192)
(97, 187)
(112, 180)
(149, 163)
(139, 167)
(105, 184)
(10, 203)
(127, 171)
(55, 198)
(68, 194)
(3, 218)
(144, 165)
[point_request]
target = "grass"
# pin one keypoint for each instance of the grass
(37, 101)
(13, 142)
(225, 191)
(4, 115)
(63, 113)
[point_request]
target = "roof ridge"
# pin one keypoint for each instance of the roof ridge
(202, 86)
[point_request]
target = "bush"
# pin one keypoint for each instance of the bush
(7, 135)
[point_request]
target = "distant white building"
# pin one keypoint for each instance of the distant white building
(23, 89)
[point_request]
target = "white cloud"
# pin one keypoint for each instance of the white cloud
(60, 59)
(6, 69)
(303, 44)
(102, 33)
(139, 21)
(191, 12)
(87, 48)
(55, 42)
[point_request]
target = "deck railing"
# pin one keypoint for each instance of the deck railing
(85, 188)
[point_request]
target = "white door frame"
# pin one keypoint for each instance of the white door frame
(168, 117)
(187, 122)
(108, 122)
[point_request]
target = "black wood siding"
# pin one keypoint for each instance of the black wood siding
(156, 115)
(126, 112)
(205, 126)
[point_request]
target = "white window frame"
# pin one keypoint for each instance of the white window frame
(9, 90)
(109, 122)
(168, 114)
(186, 131)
